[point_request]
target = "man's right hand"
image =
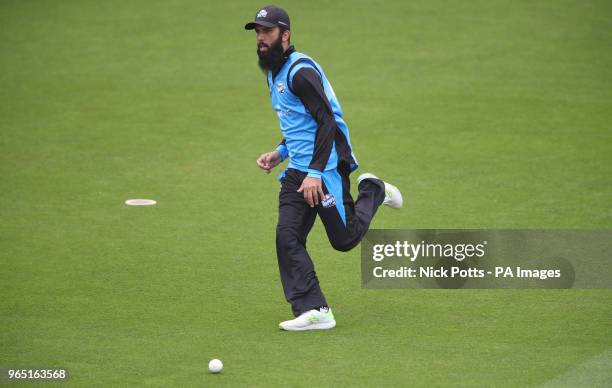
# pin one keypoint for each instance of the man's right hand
(269, 160)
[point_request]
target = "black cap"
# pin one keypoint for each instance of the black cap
(269, 16)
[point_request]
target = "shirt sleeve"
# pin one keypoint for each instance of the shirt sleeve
(307, 85)
(282, 149)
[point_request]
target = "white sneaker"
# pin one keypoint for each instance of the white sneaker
(310, 320)
(393, 197)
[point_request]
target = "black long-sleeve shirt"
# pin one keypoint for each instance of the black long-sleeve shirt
(308, 86)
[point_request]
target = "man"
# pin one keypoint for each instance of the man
(316, 181)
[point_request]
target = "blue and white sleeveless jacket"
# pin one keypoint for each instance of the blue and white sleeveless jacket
(298, 126)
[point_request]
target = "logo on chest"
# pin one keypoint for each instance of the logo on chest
(280, 87)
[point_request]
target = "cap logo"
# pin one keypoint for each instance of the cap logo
(262, 14)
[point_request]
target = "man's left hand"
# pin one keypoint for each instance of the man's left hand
(312, 189)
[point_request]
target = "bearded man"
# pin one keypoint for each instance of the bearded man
(316, 181)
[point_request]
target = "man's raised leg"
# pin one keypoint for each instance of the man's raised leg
(346, 222)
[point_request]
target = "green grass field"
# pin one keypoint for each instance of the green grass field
(487, 114)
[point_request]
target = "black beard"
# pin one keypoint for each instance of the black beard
(272, 59)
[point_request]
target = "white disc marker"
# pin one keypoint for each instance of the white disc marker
(140, 202)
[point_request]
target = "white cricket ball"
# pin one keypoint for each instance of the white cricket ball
(215, 365)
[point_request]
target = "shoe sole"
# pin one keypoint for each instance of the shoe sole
(368, 175)
(314, 326)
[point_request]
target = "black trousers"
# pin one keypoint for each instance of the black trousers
(345, 221)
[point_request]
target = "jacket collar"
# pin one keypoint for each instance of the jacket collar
(286, 55)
